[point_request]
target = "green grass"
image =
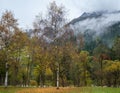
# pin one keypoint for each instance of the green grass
(9, 90)
(96, 90)
(107, 90)
(61, 90)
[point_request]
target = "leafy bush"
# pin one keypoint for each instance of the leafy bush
(33, 83)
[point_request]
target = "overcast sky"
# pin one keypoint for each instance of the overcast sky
(26, 10)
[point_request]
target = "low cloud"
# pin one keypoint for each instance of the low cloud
(97, 25)
(97, 5)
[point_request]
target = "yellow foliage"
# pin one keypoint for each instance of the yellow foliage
(49, 72)
(113, 66)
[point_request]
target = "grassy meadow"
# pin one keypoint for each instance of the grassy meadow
(61, 90)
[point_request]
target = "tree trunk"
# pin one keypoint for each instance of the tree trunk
(58, 77)
(6, 79)
(6, 75)
(101, 72)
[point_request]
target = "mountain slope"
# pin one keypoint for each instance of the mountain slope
(102, 25)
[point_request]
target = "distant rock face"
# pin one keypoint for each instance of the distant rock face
(86, 15)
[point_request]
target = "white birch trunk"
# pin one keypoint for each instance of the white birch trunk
(58, 77)
(6, 79)
(6, 76)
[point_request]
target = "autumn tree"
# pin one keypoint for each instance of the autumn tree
(101, 52)
(51, 26)
(16, 48)
(112, 73)
(8, 24)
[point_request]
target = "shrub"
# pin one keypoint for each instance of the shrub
(33, 83)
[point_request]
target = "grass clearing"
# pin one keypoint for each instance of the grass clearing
(9, 90)
(61, 90)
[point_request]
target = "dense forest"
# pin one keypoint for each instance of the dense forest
(52, 53)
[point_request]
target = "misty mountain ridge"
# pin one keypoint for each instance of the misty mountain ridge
(97, 22)
(97, 14)
(102, 25)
